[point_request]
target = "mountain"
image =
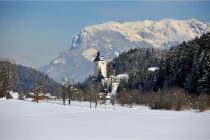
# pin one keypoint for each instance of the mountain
(113, 38)
(24, 79)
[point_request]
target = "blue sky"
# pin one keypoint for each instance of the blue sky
(34, 33)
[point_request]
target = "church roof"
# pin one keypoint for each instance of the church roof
(97, 57)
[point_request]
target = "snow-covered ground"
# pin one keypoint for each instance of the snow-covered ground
(28, 120)
(114, 88)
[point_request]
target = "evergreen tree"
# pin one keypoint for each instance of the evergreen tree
(186, 65)
(21, 79)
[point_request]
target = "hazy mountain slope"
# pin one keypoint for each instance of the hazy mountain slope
(24, 79)
(112, 38)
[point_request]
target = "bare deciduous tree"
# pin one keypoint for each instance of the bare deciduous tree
(92, 93)
(65, 85)
(38, 88)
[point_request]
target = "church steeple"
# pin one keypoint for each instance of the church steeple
(100, 65)
(97, 57)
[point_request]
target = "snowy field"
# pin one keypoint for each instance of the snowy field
(28, 120)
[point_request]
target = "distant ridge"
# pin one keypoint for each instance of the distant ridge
(113, 38)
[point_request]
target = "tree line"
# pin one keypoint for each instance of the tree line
(186, 66)
(23, 79)
(182, 81)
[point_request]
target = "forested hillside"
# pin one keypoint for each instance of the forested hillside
(23, 79)
(135, 60)
(186, 65)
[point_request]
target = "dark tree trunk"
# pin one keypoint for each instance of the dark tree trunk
(37, 97)
(69, 101)
(64, 103)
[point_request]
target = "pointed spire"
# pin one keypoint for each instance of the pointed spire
(97, 57)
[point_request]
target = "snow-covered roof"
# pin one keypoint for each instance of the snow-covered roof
(153, 69)
(53, 97)
(122, 76)
(14, 95)
(31, 93)
(29, 99)
(102, 58)
(101, 93)
(48, 94)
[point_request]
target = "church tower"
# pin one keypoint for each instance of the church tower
(100, 65)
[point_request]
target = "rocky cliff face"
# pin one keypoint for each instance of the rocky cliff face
(113, 38)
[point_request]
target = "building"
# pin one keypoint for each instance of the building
(100, 65)
(107, 82)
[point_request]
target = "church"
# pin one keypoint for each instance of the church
(100, 65)
(112, 81)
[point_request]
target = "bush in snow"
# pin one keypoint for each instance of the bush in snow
(203, 102)
(167, 99)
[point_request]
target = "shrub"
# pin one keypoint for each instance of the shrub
(203, 103)
(167, 99)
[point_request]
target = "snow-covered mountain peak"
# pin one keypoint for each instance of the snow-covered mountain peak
(113, 38)
(156, 33)
(115, 26)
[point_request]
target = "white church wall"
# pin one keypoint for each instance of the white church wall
(101, 66)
